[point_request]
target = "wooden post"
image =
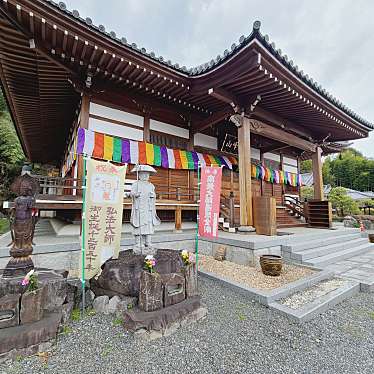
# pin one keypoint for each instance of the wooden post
(245, 183)
(178, 218)
(147, 130)
(317, 174)
(262, 182)
(84, 120)
(281, 168)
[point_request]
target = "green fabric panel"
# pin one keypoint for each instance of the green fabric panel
(157, 155)
(191, 164)
(117, 149)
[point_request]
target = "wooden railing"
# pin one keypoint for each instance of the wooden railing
(295, 205)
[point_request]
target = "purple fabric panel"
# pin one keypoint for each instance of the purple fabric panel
(80, 142)
(126, 151)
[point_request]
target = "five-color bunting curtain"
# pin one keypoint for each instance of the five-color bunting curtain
(120, 150)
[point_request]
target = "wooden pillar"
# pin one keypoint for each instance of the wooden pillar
(262, 182)
(191, 173)
(281, 168)
(298, 173)
(83, 122)
(317, 174)
(147, 130)
(245, 183)
(178, 218)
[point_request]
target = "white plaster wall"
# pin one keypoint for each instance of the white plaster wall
(109, 128)
(117, 115)
(205, 141)
(169, 129)
(290, 169)
(255, 153)
(289, 161)
(272, 156)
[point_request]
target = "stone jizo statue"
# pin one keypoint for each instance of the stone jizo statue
(22, 226)
(143, 213)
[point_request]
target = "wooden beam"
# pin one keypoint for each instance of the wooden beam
(281, 122)
(261, 128)
(211, 120)
(225, 96)
(317, 174)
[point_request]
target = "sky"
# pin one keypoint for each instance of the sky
(332, 41)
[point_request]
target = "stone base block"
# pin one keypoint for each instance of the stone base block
(147, 336)
(26, 339)
(153, 325)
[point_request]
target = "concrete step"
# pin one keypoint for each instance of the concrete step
(319, 305)
(324, 250)
(287, 225)
(322, 261)
(320, 234)
(317, 243)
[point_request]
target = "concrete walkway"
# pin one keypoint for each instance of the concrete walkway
(359, 268)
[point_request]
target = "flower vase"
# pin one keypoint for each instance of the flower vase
(151, 292)
(32, 303)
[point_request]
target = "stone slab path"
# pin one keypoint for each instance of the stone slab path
(359, 268)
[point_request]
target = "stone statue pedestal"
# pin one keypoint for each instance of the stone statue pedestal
(29, 321)
(167, 298)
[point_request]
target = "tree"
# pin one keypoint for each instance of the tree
(11, 154)
(352, 170)
(306, 192)
(341, 201)
(306, 166)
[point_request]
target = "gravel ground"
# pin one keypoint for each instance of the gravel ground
(251, 276)
(310, 294)
(239, 336)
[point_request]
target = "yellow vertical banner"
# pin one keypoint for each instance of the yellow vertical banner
(103, 214)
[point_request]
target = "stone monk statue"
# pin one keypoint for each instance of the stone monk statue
(22, 225)
(143, 213)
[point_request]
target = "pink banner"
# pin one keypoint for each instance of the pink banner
(210, 193)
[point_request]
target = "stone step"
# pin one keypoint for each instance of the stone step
(288, 225)
(320, 234)
(319, 305)
(300, 247)
(331, 258)
(327, 249)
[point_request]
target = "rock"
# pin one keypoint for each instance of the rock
(190, 274)
(66, 310)
(126, 303)
(9, 310)
(113, 305)
(32, 306)
(100, 304)
(174, 288)
(89, 298)
(151, 291)
(350, 221)
(122, 276)
(119, 277)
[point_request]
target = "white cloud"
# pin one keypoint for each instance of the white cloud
(330, 40)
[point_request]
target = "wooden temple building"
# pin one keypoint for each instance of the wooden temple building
(74, 88)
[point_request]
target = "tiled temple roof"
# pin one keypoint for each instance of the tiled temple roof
(220, 59)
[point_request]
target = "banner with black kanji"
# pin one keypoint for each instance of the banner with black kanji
(103, 214)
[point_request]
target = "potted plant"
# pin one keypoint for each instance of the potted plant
(190, 273)
(150, 287)
(32, 298)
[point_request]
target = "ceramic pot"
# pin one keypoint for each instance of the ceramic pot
(371, 238)
(271, 265)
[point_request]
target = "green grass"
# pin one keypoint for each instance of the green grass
(66, 330)
(4, 225)
(118, 321)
